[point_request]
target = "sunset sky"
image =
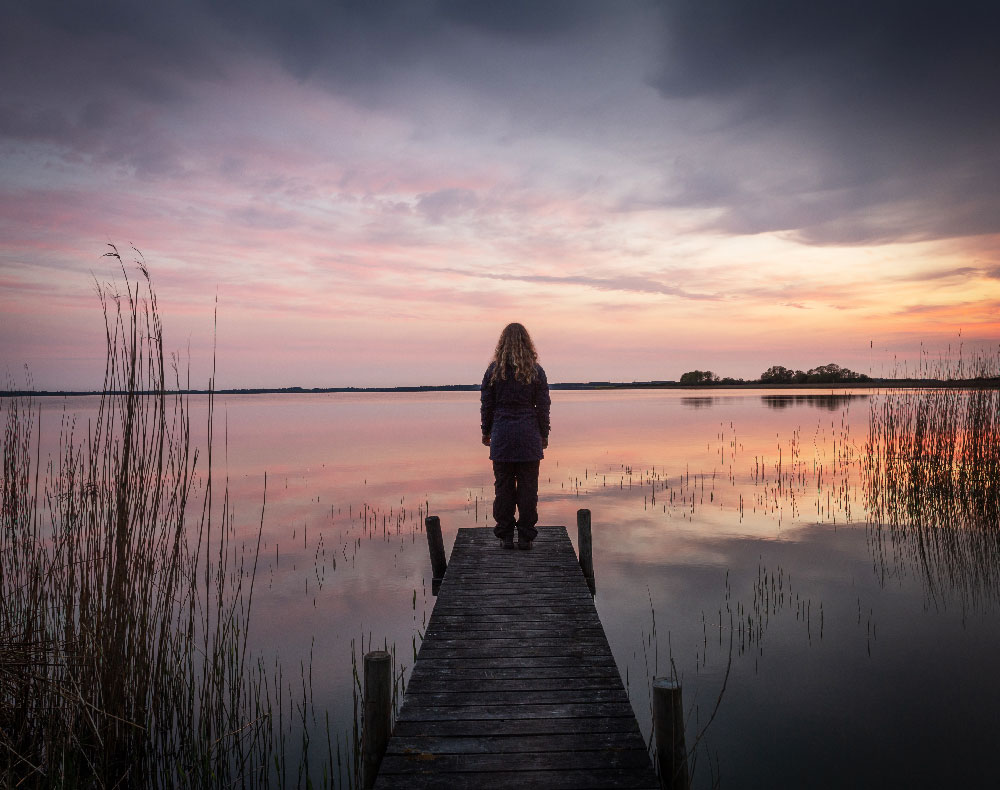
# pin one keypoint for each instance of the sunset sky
(372, 190)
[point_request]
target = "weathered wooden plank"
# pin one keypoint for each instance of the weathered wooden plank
(514, 698)
(474, 598)
(548, 760)
(519, 684)
(474, 605)
(513, 570)
(503, 615)
(577, 643)
(513, 631)
(525, 662)
(452, 728)
(512, 744)
(427, 671)
(549, 624)
(504, 590)
(442, 630)
(484, 614)
(539, 632)
(500, 641)
(555, 710)
(523, 592)
(507, 653)
(547, 576)
(518, 572)
(607, 779)
(490, 576)
(515, 654)
(536, 632)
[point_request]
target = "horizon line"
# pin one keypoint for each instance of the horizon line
(869, 383)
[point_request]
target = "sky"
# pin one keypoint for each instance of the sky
(364, 193)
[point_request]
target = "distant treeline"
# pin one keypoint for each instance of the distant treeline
(779, 374)
(695, 378)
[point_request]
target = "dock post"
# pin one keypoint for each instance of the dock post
(378, 713)
(435, 543)
(668, 727)
(586, 543)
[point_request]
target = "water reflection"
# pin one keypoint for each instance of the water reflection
(731, 540)
(931, 490)
(830, 402)
(698, 403)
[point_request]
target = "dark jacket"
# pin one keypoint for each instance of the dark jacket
(515, 416)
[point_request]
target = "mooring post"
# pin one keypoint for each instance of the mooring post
(586, 543)
(435, 543)
(378, 713)
(668, 727)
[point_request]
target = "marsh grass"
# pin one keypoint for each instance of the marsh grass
(932, 482)
(125, 597)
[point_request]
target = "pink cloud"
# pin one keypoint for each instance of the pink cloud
(364, 244)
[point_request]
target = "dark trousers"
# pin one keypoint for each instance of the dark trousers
(515, 485)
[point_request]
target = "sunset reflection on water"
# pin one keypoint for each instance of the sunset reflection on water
(729, 537)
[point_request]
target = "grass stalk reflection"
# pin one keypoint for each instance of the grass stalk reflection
(932, 487)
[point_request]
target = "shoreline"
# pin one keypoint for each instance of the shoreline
(871, 384)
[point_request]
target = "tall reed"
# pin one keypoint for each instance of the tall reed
(124, 597)
(932, 482)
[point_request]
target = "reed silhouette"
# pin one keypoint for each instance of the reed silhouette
(931, 480)
(125, 598)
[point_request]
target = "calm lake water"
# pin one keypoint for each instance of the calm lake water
(730, 537)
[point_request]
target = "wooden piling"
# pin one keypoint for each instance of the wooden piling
(668, 728)
(585, 542)
(435, 543)
(378, 713)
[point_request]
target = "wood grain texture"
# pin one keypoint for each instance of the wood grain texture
(515, 684)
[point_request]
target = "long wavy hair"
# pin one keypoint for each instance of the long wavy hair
(515, 350)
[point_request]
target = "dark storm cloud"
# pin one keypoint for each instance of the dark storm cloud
(356, 45)
(150, 49)
(80, 75)
(146, 49)
(841, 121)
(531, 19)
(99, 129)
(897, 101)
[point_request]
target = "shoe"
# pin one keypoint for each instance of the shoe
(524, 545)
(508, 542)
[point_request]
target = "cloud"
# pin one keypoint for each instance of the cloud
(445, 203)
(108, 132)
(146, 51)
(530, 19)
(866, 121)
(954, 272)
(264, 218)
(832, 122)
(626, 284)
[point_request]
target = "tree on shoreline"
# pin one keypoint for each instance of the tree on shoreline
(779, 374)
(702, 377)
(824, 374)
(699, 377)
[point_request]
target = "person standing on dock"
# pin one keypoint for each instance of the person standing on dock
(514, 407)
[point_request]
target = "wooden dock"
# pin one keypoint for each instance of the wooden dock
(515, 685)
